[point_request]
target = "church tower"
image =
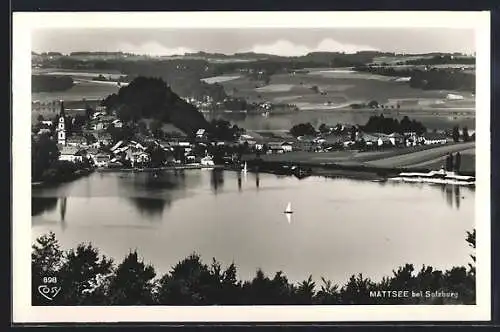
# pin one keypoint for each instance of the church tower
(61, 126)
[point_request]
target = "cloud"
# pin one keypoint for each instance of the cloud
(287, 48)
(153, 48)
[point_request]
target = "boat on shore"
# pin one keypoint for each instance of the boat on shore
(436, 177)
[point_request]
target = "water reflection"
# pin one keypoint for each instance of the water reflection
(453, 195)
(40, 205)
(457, 197)
(239, 181)
(449, 195)
(157, 190)
(62, 212)
(257, 180)
(151, 207)
(217, 180)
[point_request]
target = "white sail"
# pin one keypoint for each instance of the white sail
(245, 167)
(288, 208)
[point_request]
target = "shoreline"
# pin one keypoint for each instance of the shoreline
(304, 169)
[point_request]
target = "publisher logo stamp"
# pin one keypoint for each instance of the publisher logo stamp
(49, 288)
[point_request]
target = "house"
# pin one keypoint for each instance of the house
(47, 123)
(98, 125)
(76, 140)
(44, 131)
(117, 123)
(103, 138)
(97, 115)
(91, 153)
(377, 139)
(165, 145)
(276, 147)
(434, 138)
(71, 153)
(287, 146)
(207, 161)
(248, 139)
(116, 146)
(190, 158)
(201, 133)
(136, 156)
(396, 139)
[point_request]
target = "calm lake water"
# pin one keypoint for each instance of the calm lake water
(339, 227)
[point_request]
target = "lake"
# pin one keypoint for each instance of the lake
(339, 227)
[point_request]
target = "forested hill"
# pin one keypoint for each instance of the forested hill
(147, 97)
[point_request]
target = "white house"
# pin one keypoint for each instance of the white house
(287, 146)
(201, 133)
(207, 161)
(47, 123)
(434, 138)
(396, 139)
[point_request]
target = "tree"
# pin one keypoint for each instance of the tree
(353, 133)
(471, 240)
(88, 113)
(455, 134)
(80, 274)
(132, 283)
(40, 118)
(155, 126)
(305, 291)
(186, 284)
(157, 154)
(465, 134)
(44, 153)
(323, 128)
(373, 104)
(303, 129)
(46, 260)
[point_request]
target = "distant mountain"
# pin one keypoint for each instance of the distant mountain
(150, 98)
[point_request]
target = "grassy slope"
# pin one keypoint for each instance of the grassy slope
(428, 157)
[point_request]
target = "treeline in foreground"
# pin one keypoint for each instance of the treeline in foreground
(87, 278)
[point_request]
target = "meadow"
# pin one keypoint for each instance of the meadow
(325, 88)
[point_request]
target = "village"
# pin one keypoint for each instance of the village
(91, 141)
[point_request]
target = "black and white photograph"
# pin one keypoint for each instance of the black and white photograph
(235, 166)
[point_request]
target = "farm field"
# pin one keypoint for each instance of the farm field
(431, 157)
(339, 88)
(82, 89)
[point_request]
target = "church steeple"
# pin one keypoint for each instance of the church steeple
(61, 112)
(61, 126)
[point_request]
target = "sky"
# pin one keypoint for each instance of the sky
(286, 42)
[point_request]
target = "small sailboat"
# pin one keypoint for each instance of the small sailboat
(288, 209)
(244, 170)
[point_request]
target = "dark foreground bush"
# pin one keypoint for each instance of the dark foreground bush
(87, 278)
